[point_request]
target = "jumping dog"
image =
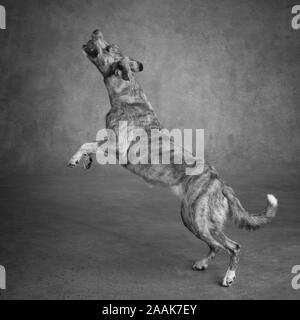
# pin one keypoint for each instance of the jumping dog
(206, 201)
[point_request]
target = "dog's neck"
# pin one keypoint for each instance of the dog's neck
(121, 91)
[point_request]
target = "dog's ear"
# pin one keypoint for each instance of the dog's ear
(125, 67)
(125, 71)
(122, 69)
(136, 66)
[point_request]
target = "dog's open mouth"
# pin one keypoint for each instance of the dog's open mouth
(90, 49)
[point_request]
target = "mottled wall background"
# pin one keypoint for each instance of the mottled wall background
(230, 67)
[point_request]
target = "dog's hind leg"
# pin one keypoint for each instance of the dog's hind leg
(200, 229)
(85, 151)
(233, 249)
(213, 250)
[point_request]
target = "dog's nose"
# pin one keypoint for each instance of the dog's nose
(97, 34)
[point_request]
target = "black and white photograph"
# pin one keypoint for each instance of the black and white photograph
(149, 152)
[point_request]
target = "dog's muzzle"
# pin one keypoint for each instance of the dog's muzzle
(91, 49)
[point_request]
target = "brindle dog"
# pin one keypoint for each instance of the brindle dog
(206, 201)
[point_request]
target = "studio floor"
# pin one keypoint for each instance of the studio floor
(105, 234)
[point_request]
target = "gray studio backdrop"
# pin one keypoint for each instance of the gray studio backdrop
(230, 67)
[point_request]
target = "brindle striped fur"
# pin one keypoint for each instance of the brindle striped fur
(206, 200)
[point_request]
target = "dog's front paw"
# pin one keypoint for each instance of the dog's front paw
(229, 278)
(73, 162)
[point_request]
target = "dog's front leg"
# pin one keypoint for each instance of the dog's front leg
(85, 151)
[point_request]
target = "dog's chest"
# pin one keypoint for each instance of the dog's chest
(134, 115)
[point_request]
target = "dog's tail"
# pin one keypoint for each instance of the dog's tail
(242, 218)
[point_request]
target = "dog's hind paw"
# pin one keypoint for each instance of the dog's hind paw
(229, 278)
(200, 265)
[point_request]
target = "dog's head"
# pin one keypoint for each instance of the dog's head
(109, 59)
